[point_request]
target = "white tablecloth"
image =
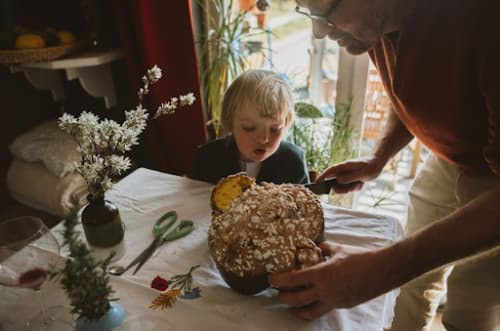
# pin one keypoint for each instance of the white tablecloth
(144, 196)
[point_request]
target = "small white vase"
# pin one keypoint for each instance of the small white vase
(110, 321)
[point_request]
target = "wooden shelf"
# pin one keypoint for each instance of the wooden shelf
(93, 69)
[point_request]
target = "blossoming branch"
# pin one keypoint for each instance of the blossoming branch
(103, 142)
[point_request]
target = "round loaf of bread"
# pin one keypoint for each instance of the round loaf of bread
(267, 228)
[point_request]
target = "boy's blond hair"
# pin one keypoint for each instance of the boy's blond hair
(264, 90)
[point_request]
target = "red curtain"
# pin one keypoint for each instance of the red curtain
(161, 32)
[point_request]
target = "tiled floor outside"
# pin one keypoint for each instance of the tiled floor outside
(388, 194)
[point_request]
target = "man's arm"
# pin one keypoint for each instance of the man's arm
(350, 277)
(394, 137)
(466, 232)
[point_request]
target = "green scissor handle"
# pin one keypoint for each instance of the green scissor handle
(160, 230)
(184, 228)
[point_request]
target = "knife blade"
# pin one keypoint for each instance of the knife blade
(323, 187)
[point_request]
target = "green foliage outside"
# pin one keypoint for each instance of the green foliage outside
(326, 141)
(304, 133)
(224, 50)
(344, 136)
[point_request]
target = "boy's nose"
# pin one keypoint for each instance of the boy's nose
(263, 136)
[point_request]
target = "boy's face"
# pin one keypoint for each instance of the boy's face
(257, 137)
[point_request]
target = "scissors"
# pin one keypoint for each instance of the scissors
(162, 235)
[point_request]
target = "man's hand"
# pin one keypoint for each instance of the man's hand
(353, 173)
(348, 277)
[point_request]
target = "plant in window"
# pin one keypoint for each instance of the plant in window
(325, 140)
(305, 134)
(225, 47)
(342, 144)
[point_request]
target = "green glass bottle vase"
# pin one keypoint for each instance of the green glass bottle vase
(102, 223)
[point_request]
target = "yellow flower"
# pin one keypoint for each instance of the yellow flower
(165, 300)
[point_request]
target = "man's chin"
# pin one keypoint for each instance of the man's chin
(357, 48)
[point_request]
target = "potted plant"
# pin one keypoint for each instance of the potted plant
(224, 49)
(86, 282)
(262, 12)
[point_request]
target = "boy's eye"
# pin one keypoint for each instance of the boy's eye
(248, 128)
(276, 129)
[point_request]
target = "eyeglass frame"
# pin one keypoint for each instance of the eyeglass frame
(323, 19)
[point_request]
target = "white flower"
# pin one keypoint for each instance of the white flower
(136, 119)
(170, 107)
(187, 99)
(165, 108)
(118, 164)
(91, 168)
(67, 123)
(154, 74)
(106, 184)
(103, 142)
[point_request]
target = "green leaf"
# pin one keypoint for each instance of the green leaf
(307, 110)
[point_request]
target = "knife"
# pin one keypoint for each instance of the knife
(323, 187)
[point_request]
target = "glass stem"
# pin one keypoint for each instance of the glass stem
(47, 318)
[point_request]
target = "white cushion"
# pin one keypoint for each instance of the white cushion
(32, 184)
(56, 149)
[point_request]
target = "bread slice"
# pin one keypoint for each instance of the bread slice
(227, 189)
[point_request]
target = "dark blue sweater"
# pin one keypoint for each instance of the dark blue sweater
(219, 158)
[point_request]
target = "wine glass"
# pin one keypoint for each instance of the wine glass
(27, 251)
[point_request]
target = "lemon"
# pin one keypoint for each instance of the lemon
(29, 40)
(65, 37)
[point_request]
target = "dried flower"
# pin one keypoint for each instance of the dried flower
(180, 285)
(103, 142)
(183, 281)
(159, 283)
(165, 300)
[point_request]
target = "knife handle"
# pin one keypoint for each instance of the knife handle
(332, 181)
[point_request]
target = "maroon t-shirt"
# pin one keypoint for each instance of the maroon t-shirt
(442, 73)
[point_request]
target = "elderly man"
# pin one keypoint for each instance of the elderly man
(440, 65)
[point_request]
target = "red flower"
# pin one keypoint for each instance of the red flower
(159, 283)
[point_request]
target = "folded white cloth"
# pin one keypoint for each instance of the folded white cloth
(33, 185)
(48, 144)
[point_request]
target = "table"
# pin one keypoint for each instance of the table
(145, 195)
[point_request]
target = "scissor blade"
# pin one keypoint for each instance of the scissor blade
(147, 253)
(140, 257)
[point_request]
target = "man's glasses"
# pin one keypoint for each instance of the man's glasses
(323, 19)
